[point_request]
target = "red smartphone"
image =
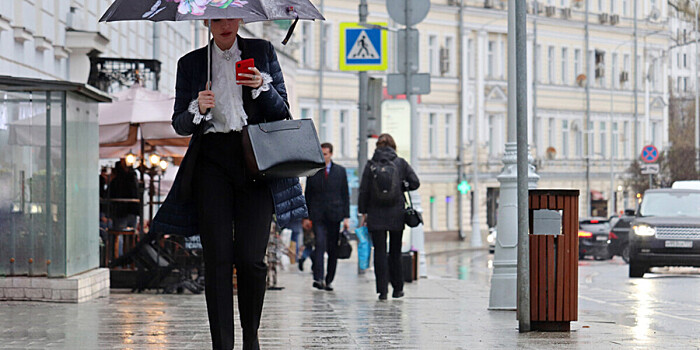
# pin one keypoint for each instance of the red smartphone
(242, 68)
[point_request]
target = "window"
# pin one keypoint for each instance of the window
(490, 60)
(344, 130)
(470, 58)
(307, 42)
(449, 65)
(613, 8)
(449, 138)
(432, 137)
(578, 140)
(625, 7)
(433, 55)
(328, 40)
(615, 79)
(502, 58)
(603, 139)
(492, 136)
(306, 113)
(685, 60)
(590, 139)
(600, 6)
(639, 76)
(538, 57)
(600, 67)
(654, 131)
(626, 66)
(565, 138)
(626, 139)
(615, 140)
(325, 126)
(564, 65)
(577, 62)
(551, 65)
(470, 128)
(550, 132)
(591, 67)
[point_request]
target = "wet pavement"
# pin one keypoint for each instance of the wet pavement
(448, 310)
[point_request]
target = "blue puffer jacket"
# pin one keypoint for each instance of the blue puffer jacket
(177, 215)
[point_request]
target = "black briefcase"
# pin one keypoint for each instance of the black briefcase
(284, 148)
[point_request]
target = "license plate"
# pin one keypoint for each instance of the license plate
(601, 238)
(679, 244)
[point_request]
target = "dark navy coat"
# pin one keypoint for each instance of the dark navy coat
(327, 196)
(178, 214)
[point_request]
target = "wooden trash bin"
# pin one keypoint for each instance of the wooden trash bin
(553, 259)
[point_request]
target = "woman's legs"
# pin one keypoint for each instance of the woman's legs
(381, 272)
(215, 214)
(395, 266)
(253, 214)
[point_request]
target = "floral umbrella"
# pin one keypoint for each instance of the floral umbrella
(184, 10)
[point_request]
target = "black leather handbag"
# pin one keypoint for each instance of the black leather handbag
(344, 247)
(412, 217)
(284, 148)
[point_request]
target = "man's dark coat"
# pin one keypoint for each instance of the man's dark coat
(327, 197)
(177, 215)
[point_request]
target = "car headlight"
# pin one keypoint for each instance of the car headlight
(644, 230)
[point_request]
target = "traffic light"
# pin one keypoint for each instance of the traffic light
(464, 187)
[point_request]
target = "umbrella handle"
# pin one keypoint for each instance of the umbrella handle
(209, 56)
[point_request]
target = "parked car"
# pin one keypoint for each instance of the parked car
(593, 238)
(687, 185)
(619, 235)
(666, 230)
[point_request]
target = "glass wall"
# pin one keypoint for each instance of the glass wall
(32, 183)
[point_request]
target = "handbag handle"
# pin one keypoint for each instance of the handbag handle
(409, 201)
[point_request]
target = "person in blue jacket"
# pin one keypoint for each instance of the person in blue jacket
(220, 200)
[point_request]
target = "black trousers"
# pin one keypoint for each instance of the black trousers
(234, 215)
(391, 268)
(326, 233)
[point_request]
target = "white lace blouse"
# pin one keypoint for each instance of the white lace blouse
(229, 113)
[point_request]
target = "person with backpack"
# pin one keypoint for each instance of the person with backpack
(382, 205)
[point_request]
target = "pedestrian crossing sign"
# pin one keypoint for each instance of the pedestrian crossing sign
(362, 48)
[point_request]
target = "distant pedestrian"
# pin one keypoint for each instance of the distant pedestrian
(329, 204)
(123, 185)
(309, 242)
(381, 203)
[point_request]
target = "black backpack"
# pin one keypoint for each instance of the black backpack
(386, 181)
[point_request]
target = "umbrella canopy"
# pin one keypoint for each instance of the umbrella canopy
(138, 113)
(186, 10)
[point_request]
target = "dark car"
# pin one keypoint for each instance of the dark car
(593, 238)
(619, 235)
(666, 231)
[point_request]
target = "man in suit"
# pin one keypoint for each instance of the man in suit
(328, 202)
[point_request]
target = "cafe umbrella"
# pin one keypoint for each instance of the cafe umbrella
(188, 10)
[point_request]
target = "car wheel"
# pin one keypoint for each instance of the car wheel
(637, 270)
(626, 254)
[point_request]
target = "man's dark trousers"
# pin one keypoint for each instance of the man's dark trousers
(228, 202)
(326, 241)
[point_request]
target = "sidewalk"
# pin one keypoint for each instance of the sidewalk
(436, 313)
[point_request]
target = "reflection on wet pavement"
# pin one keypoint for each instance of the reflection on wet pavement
(447, 310)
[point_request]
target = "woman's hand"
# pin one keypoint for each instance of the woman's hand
(253, 80)
(363, 220)
(206, 101)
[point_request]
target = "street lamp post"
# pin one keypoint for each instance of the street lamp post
(696, 4)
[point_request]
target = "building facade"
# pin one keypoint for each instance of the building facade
(54, 39)
(575, 144)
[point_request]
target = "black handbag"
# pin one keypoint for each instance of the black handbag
(344, 247)
(284, 148)
(412, 217)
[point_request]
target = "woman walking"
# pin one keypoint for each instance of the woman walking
(381, 203)
(225, 197)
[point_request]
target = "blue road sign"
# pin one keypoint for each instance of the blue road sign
(362, 48)
(650, 154)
